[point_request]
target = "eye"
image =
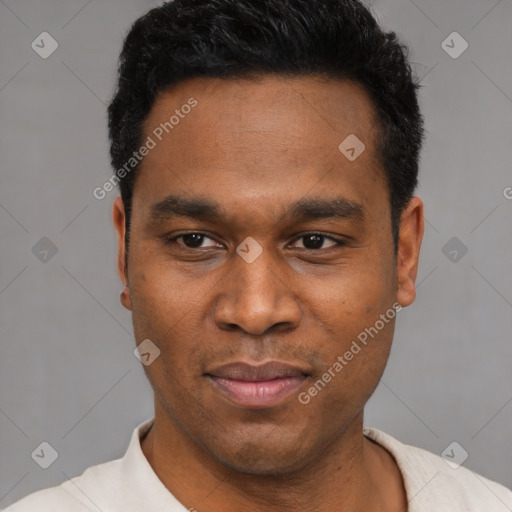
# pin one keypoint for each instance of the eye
(192, 240)
(315, 241)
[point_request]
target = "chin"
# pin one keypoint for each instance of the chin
(259, 455)
(261, 464)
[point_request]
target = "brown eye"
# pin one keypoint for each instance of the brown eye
(192, 240)
(315, 241)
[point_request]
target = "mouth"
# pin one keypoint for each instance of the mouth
(251, 386)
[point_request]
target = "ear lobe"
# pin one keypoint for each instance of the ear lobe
(125, 298)
(119, 220)
(409, 244)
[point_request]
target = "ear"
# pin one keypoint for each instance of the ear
(409, 243)
(119, 220)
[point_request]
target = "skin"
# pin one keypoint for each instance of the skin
(255, 147)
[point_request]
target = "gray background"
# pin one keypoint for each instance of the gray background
(67, 372)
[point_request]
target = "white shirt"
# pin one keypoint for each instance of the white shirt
(129, 484)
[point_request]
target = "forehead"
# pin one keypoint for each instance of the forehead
(314, 109)
(271, 136)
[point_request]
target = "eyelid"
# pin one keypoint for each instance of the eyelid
(340, 242)
(172, 238)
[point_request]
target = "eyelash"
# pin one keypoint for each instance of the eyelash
(339, 242)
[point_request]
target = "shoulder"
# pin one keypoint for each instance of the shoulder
(84, 493)
(432, 483)
(106, 486)
(53, 499)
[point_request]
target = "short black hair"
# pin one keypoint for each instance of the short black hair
(340, 39)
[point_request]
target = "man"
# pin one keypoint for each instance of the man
(267, 156)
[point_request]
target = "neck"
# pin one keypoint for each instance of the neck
(353, 474)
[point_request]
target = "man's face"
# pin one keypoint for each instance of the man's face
(265, 154)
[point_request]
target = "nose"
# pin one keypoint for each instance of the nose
(257, 297)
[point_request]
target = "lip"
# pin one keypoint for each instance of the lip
(260, 386)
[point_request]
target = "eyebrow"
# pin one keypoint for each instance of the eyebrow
(303, 209)
(339, 207)
(195, 208)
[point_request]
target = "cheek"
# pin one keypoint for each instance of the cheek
(161, 291)
(352, 297)
(353, 364)
(357, 313)
(163, 309)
